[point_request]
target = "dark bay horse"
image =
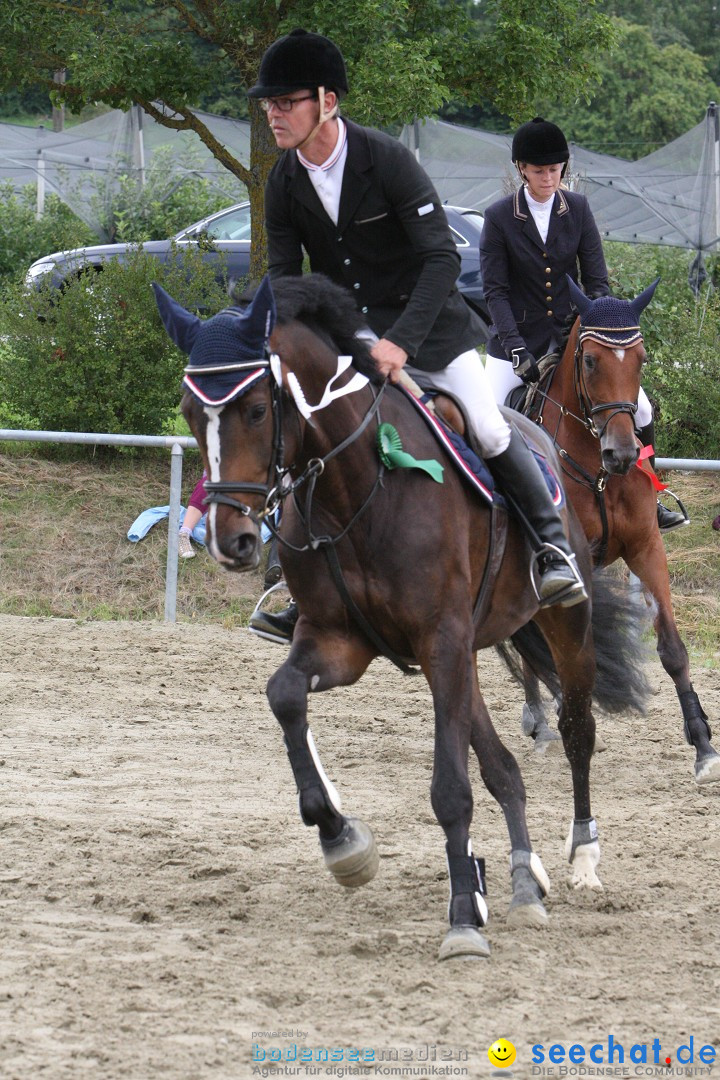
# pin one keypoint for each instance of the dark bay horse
(388, 561)
(587, 404)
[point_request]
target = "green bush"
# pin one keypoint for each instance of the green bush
(96, 357)
(25, 238)
(682, 339)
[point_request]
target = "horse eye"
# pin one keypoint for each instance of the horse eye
(258, 413)
(589, 361)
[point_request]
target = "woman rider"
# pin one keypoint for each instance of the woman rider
(530, 241)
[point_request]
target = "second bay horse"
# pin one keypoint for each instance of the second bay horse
(587, 405)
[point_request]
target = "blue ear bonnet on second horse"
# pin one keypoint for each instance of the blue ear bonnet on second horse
(610, 320)
(228, 351)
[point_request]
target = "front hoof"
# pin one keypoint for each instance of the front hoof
(463, 941)
(527, 913)
(353, 858)
(585, 859)
(707, 769)
(600, 744)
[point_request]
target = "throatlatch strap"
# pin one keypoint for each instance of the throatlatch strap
(585, 831)
(467, 874)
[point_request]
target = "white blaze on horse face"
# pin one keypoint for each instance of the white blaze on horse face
(212, 442)
(620, 353)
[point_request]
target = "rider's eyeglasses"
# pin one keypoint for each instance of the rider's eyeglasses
(284, 104)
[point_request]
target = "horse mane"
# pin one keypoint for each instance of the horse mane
(329, 311)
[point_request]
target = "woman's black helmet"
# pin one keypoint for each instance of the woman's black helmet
(300, 61)
(540, 143)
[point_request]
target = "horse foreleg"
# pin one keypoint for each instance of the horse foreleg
(314, 664)
(570, 639)
(534, 718)
(651, 567)
(502, 778)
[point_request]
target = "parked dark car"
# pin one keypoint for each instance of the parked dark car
(228, 232)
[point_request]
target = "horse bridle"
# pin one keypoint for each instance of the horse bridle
(590, 411)
(598, 482)
(275, 490)
(218, 492)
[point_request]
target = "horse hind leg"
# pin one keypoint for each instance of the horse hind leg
(453, 680)
(574, 658)
(534, 717)
(502, 778)
(347, 843)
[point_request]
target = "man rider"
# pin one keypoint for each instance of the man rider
(368, 216)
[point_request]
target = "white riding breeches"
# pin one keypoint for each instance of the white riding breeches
(503, 379)
(465, 378)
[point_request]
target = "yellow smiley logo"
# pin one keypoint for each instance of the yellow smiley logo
(501, 1053)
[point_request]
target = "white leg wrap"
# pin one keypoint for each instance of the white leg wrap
(330, 788)
(583, 856)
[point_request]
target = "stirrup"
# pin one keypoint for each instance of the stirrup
(683, 511)
(268, 592)
(573, 593)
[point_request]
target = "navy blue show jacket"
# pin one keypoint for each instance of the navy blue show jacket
(524, 279)
(392, 246)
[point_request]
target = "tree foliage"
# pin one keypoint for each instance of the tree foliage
(647, 96)
(405, 57)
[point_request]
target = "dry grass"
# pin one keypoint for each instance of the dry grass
(64, 552)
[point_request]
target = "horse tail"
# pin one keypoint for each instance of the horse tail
(619, 626)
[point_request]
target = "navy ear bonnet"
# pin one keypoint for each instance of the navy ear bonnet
(610, 320)
(228, 352)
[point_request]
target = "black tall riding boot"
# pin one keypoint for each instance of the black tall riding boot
(523, 482)
(667, 519)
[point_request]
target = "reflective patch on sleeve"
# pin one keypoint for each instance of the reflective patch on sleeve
(426, 209)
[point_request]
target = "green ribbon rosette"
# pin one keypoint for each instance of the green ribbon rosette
(393, 456)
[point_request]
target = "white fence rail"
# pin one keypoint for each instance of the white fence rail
(177, 444)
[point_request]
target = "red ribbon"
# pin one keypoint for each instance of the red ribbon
(645, 467)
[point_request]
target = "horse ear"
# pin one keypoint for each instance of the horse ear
(640, 302)
(261, 313)
(578, 297)
(181, 325)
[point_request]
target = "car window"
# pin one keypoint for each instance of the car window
(460, 241)
(235, 225)
(231, 225)
(477, 219)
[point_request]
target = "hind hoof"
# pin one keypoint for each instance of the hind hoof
(600, 744)
(463, 941)
(548, 742)
(707, 770)
(353, 858)
(527, 914)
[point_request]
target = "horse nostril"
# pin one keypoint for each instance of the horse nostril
(243, 546)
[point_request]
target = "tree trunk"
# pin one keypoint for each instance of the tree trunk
(263, 155)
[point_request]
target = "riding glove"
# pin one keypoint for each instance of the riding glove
(525, 365)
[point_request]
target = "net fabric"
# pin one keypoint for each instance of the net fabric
(670, 197)
(83, 164)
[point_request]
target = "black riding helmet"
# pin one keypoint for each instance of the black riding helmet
(300, 61)
(540, 142)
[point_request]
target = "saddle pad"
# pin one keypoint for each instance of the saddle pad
(469, 464)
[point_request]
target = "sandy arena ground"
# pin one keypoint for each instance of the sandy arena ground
(164, 910)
